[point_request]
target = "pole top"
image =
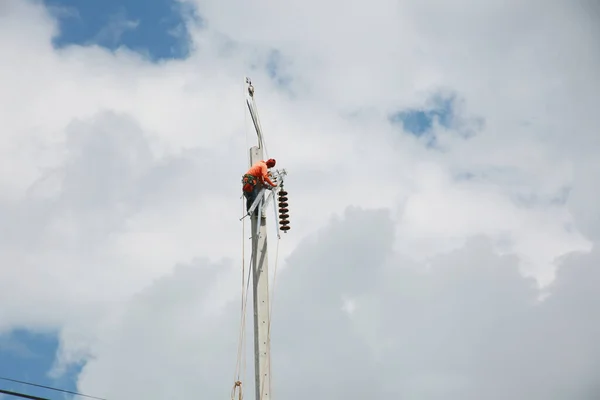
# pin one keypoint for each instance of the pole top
(250, 87)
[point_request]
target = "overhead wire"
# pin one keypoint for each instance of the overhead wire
(241, 339)
(22, 395)
(241, 364)
(49, 388)
(236, 376)
(272, 301)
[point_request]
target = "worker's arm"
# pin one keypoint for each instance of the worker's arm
(266, 176)
(271, 183)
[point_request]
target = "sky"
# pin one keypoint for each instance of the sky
(442, 167)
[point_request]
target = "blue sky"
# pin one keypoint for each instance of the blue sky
(28, 357)
(419, 122)
(154, 28)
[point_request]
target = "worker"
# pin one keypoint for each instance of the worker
(255, 179)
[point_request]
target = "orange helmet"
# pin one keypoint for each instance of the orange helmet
(271, 162)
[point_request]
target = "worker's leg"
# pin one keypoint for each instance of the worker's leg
(249, 200)
(247, 197)
(252, 197)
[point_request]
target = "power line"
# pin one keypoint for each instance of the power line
(21, 395)
(50, 388)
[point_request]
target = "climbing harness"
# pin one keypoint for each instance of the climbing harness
(241, 356)
(249, 182)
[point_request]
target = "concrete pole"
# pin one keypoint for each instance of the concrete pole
(260, 274)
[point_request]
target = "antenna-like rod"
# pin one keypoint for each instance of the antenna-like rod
(253, 112)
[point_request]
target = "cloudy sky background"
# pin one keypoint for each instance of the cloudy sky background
(442, 161)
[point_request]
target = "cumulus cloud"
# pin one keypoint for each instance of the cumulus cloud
(468, 327)
(121, 199)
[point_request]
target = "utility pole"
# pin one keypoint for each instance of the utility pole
(260, 274)
(260, 256)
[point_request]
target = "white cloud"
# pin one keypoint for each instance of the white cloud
(469, 327)
(117, 170)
